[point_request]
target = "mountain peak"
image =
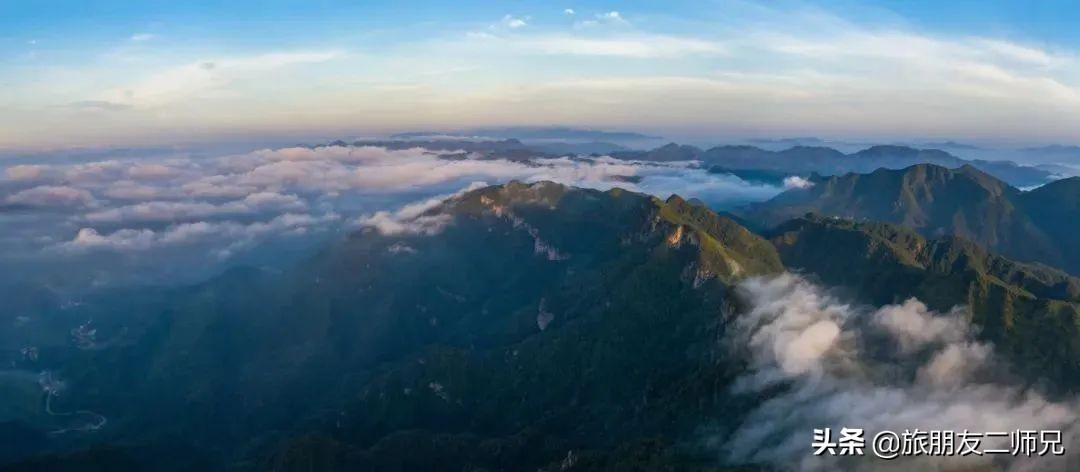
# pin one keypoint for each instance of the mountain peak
(675, 199)
(887, 149)
(928, 171)
(937, 201)
(1060, 187)
(897, 150)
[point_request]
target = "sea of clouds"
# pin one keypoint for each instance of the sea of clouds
(176, 210)
(816, 362)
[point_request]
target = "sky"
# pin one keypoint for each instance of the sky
(111, 73)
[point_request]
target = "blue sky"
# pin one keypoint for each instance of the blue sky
(106, 73)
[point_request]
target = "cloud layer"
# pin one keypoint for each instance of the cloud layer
(824, 364)
(741, 68)
(184, 210)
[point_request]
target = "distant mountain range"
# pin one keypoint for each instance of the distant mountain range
(950, 145)
(798, 160)
(798, 141)
(1055, 149)
(804, 160)
(1037, 225)
(1058, 159)
(526, 133)
(547, 139)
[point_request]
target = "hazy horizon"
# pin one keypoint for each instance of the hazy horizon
(223, 144)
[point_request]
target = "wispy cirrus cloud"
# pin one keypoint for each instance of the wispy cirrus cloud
(626, 46)
(514, 22)
(194, 80)
(104, 105)
(749, 68)
(612, 17)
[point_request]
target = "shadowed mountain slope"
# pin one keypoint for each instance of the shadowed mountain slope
(500, 329)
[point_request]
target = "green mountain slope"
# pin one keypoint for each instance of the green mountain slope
(1055, 207)
(513, 327)
(1031, 311)
(937, 201)
(540, 320)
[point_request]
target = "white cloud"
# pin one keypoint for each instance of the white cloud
(568, 11)
(272, 201)
(94, 172)
(52, 196)
(810, 366)
(1022, 53)
(916, 332)
(235, 234)
(637, 46)
(368, 169)
(216, 186)
(131, 190)
(122, 240)
(802, 74)
(898, 61)
(191, 80)
(153, 211)
(161, 211)
(795, 181)
(513, 22)
(141, 37)
(788, 70)
(28, 172)
(415, 218)
(612, 16)
(152, 171)
(391, 224)
(121, 199)
(607, 18)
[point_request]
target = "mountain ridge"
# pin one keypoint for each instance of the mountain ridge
(804, 159)
(1031, 311)
(936, 201)
(507, 327)
(486, 334)
(796, 160)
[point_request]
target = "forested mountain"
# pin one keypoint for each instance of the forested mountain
(807, 160)
(936, 201)
(538, 320)
(1032, 312)
(520, 326)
